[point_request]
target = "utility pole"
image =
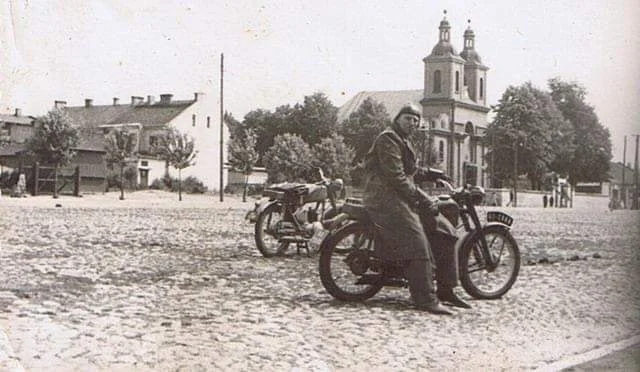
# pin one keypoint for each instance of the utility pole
(636, 194)
(623, 190)
(514, 202)
(221, 127)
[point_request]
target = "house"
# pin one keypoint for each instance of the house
(454, 107)
(150, 118)
(15, 130)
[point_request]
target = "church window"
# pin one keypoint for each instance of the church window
(457, 81)
(193, 120)
(481, 87)
(441, 151)
(437, 81)
(208, 121)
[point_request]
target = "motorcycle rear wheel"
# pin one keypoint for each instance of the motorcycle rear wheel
(267, 241)
(475, 276)
(344, 258)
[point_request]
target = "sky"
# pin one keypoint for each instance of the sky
(277, 52)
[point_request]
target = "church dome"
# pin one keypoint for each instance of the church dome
(470, 55)
(468, 33)
(443, 48)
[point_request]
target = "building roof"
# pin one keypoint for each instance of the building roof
(26, 120)
(147, 114)
(392, 100)
(90, 139)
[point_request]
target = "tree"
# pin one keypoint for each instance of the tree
(178, 150)
(120, 147)
(590, 142)
(334, 157)
(523, 136)
(289, 159)
(313, 120)
(243, 155)
(267, 125)
(53, 141)
(363, 125)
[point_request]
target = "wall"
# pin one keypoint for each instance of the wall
(207, 140)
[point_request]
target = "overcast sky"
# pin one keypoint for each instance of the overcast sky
(276, 52)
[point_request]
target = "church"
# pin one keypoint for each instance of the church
(454, 107)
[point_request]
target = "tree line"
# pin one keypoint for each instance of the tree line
(543, 134)
(548, 133)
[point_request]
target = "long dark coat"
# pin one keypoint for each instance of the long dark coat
(390, 195)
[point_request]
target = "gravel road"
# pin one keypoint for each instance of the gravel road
(150, 283)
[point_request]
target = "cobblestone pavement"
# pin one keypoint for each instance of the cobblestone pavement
(153, 285)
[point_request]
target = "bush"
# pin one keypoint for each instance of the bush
(190, 185)
(252, 189)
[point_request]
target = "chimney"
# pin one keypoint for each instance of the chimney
(136, 100)
(197, 95)
(88, 102)
(115, 101)
(151, 100)
(165, 99)
(60, 104)
(18, 112)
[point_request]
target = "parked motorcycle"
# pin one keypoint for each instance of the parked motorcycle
(488, 255)
(290, 213)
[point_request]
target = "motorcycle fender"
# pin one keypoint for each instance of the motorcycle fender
(260, 206)
(468, 236)
(334, 232)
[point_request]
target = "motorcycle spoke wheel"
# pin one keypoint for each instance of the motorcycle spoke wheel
(267, 239)
(345, 265)
(477, 276)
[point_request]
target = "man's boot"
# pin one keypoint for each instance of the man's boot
(444, 252)
(447, 295)
(420, 277)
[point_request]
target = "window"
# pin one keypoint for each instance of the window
(481, 87)
(437, 83)
(457, 81)
(144, 163)
(208, 122)
(441, 151)
(472, 151)
(193, 120)
(153, 141)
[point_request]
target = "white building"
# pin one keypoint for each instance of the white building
(198, 117)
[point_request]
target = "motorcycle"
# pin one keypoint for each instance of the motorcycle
(488, 255)
(290, 213)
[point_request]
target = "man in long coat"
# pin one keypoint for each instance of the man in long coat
(390, 197)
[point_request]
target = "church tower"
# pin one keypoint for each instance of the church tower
(455, 107)
(475, 73)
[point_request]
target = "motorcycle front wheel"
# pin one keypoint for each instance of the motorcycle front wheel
(346, 263)
(476, 276)
(267, 240)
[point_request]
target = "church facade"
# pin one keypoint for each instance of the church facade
(454, 105)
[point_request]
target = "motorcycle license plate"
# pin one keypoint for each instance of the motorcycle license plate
(317, 238)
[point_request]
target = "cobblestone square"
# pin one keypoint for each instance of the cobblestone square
(153, 284)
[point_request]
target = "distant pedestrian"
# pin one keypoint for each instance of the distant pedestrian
(551, 201)
(544, 201)
(510, 198)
